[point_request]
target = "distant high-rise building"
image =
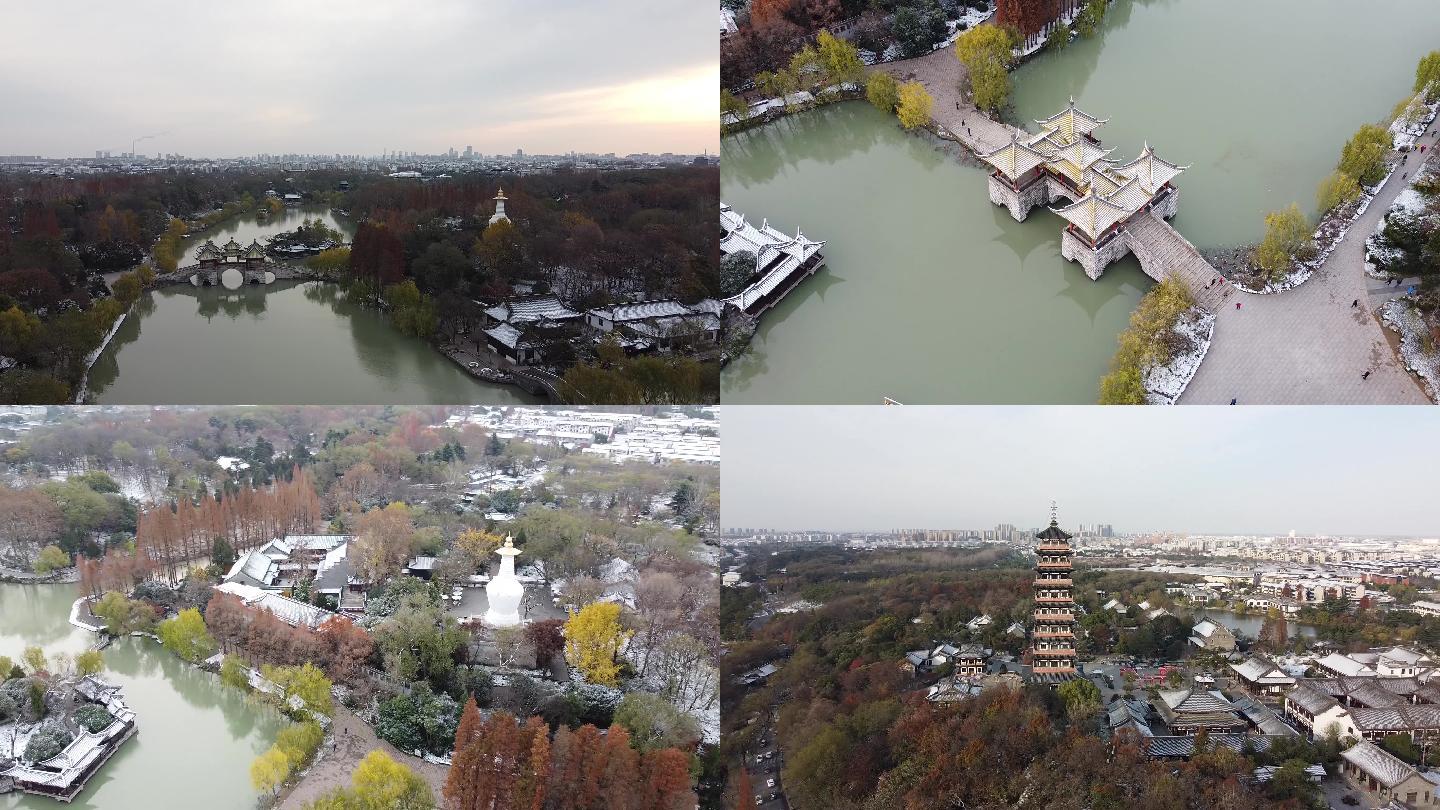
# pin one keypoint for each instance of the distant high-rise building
(1052, 633)
(519, 153)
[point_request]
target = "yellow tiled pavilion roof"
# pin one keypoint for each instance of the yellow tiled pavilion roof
(1152, 171)
(1074, 158)
(1093, 215)
(1014, 159)
(1071, 122)
(1130, 196)
(1102, 180)
(1046, 142)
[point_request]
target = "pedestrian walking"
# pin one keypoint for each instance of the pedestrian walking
(1237, 304)
(1232, 400)
(1366, 375)
(1355, 304)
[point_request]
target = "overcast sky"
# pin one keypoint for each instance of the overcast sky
(1336, 471)
(221, 79)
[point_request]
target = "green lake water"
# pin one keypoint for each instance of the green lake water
(931, 294)
(196, 738)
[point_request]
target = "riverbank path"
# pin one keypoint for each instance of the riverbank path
(1310, 345)
(943, 75)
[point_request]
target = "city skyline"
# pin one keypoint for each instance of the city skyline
(1252, 471)
(358, 78)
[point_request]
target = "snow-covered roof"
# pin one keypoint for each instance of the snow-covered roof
(1310, 699)
(1378, 763)
(506, 334)
(526, 310)
(254, 568)
(644, 311)
(1343, 665)
(290, 611)
(777, 255)
(1205, 628)
(1258, 670)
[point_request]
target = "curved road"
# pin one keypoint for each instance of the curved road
(1309, 345)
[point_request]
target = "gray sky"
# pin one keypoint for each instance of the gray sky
(358, 76)
(1335, 471)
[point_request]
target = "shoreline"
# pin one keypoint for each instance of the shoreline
(286, 271)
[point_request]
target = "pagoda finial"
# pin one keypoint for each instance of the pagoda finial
(1054, 513)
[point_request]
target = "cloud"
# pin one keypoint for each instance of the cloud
(359, 76)
(1316, 470)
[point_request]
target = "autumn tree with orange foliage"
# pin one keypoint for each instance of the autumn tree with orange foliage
(502, 764)
(339, 646)
(168, 537)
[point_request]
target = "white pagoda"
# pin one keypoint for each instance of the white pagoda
(499, 214)
(505, 591)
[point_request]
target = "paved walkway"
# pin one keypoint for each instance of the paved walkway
(1309, 345)
(943, 74)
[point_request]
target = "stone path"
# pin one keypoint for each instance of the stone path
(353, 739)
(1309, 345)
(943, 74)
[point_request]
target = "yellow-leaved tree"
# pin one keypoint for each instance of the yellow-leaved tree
(478, 545)
(915, 105)
(593, 638)
(883, 91)
(269, 771)
(986, 51)
(1287, 237)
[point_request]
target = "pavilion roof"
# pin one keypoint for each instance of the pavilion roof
(1151, 170)
(232, 246)
(1075, 158)
(1129, 196)
(254, 251)
(1093, 215)
(1016, 158)
(1071, 123)
(208, 251)
(1053, 532)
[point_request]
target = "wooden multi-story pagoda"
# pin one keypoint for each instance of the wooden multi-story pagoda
(1052, 629)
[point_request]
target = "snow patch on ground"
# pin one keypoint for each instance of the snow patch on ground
(1411, 124)
(1164, 384)
(1409, 203)
(797, 606)
(1401, 316)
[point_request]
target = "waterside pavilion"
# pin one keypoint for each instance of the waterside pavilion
(1113, 208)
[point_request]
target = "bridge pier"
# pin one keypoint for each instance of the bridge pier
(1093, 260)
(1044, 191)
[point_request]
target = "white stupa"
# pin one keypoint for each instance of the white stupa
(505, 591)
(499, 208)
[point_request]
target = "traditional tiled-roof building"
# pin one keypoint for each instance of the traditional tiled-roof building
(1259, 675)
(1209, 634)
(781, 261)
(1370, 767)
